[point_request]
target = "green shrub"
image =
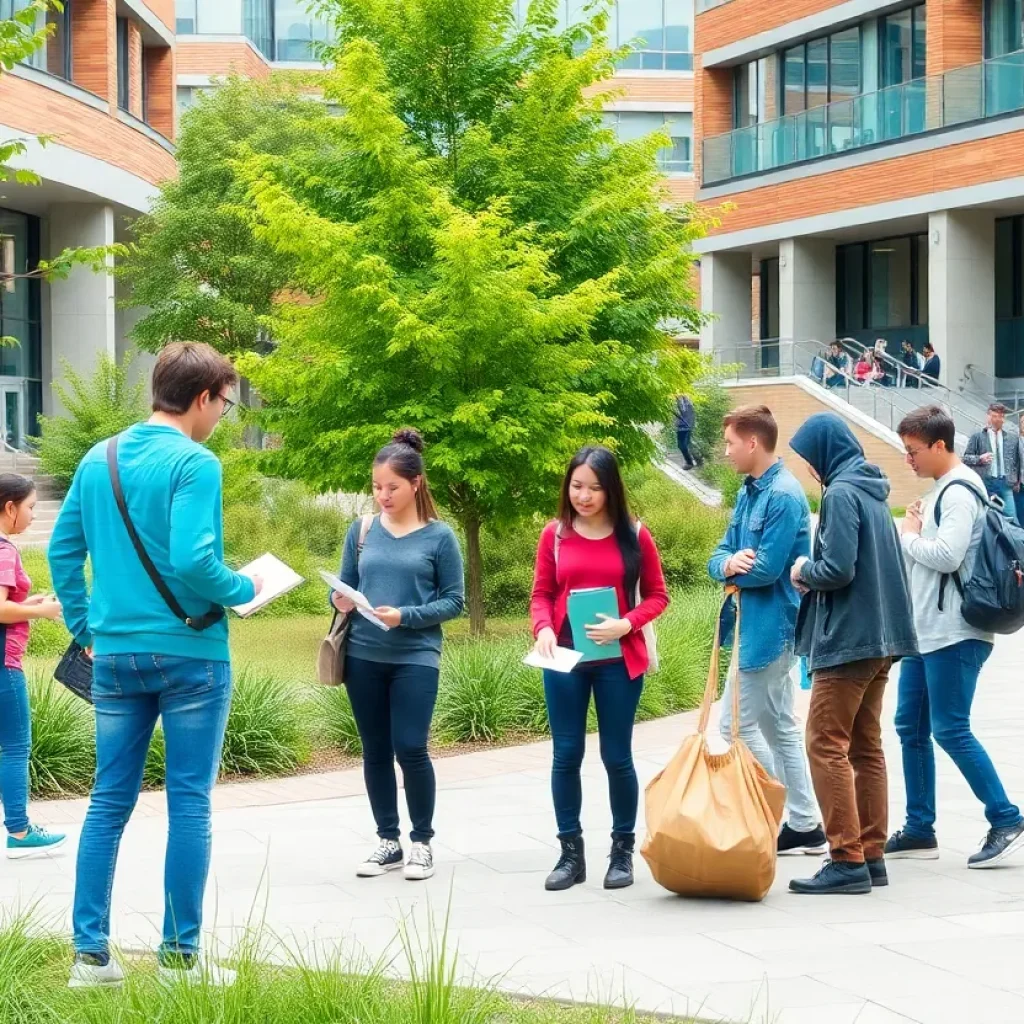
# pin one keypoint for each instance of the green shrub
(336, 725)
(711, 402)
(97, 407)
(723, 478)
(47, 639)
(268, 729)
(155, 771)
(487, 694)
(63, 758)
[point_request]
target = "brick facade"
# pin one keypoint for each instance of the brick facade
(221, 59)
(134, 70)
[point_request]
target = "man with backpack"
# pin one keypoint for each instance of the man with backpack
(944, 543)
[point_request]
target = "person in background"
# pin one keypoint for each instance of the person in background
(995, 456)
(838, 369)
(410, 570)
(855, 620)
(867, 370)
(150, 664)
(17, 612)
(937, 686)
(913, 362)
(770, 529)
(686, 420)
(932, 364)
(595, 542)
(885, 363)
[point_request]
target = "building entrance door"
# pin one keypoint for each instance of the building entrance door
(12, 414)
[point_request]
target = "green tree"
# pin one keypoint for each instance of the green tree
(485, 262)
(195, 263)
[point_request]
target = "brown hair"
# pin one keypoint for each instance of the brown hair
(931, 424)
(998, 407)
(185, 370)
(757, 420)
(405, 456)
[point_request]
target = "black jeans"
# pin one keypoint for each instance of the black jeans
(393, 706)
(683, 440)
(616, 697)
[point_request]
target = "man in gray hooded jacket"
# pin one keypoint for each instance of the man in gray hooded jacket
(855, 620)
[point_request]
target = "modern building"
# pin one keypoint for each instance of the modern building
(872, 155)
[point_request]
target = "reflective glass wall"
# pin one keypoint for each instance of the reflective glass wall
(54, 56)
(296, 32)
(258, 25)
(676, 159)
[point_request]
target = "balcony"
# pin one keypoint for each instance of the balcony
(971, 93)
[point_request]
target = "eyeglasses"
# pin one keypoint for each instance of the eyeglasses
(912, 453)
(228, 405)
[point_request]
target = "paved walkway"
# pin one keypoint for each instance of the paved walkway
(941, 944)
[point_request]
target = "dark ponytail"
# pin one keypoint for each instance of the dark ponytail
(405, 457)
(606, 469)
(14, 488)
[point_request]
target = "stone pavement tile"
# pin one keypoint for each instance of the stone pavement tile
(929, 995)
(851, 959)
(914, 929)
(764, 1001)
(1005, 922)
(875, 1014)
(993, 961)
(810, 937)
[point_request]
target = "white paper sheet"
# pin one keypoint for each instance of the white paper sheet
(278, 580)
(363, 606)
(565, 660)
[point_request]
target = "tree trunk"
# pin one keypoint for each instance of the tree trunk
(476, 576)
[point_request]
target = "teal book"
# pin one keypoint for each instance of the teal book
(585, 608)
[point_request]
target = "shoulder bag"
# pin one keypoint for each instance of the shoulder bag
(330, 663)
(75, 670)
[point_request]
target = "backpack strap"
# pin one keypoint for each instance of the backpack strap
(198, 623)
(364, 529)
(558, 540)
(986, 502)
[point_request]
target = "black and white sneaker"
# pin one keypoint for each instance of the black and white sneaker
(900, 846)
(387, 857)
(999, 844)
(420, 864)
(792, 842)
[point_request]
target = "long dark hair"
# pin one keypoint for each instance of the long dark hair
(405, 456)
(606, 469)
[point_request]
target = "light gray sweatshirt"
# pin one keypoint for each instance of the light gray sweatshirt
(940, 549)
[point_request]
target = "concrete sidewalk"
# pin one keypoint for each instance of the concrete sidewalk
(941, 944)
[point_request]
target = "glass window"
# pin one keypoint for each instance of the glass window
(889, 270)
(258, 25)
(20, 311)
(844, 64)
(662, 31)
(897, 56)
(851, 286)
(123, 65)
(922, 279)
(678, 35)
(1003, 27)
(920, 42)
(297, 33)
(795, 84)
(185, 17)
(817, 72)
(1004, 269)
(754, 99)
(54, 56)
(632, 125)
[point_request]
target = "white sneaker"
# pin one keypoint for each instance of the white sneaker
(86, 975)
(201, 972)
(420, 864)
(387, 857)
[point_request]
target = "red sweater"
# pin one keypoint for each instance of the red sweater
(584, 563)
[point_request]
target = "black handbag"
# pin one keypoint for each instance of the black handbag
(75, 670)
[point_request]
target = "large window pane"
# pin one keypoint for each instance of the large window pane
(851, 285)
(642, 20)
(19, 300)
(817, 72)
(794, 68)
(844, 64)
(920, 41)
(889, 269)
(897, 62)
(922, 279)
(1003, 27)
(678, 159)
(123, 64)
(185, 17)
(54, 56)
(679, 34)
(258, 25)
(297, 32)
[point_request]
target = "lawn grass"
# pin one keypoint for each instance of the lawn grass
(276, 985)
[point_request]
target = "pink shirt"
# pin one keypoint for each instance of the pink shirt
(12, 576)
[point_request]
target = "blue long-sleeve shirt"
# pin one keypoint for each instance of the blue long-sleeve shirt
(773, 519)
(172, 487)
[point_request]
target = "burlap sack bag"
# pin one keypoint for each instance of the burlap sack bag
(713, 819)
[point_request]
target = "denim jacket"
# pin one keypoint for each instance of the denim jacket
(772, 518)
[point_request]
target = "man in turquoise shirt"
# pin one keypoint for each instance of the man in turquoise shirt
(148, 663)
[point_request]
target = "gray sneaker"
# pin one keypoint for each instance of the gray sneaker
(999, 844)
(420, 864)
(88, 972)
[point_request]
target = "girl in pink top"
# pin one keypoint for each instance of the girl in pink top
(599, 544)
(17, 610)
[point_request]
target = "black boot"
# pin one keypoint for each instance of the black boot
(620, 864)
(571, 868)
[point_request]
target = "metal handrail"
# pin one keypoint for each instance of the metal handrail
(972, 372)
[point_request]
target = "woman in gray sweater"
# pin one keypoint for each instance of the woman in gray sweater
(410, 569)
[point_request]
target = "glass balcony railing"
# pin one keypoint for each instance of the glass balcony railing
(964, 94)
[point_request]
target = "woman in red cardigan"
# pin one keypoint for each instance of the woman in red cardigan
(595, 542)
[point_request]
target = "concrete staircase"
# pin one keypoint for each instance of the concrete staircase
(48, 493)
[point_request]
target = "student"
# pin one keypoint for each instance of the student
(867, 370)
(937, 686)
(912, 361)
(410, 570)
(770, 529)
(686, 419)
(994, 455)
(838, 366)
(855, 619)
(932, 364)
(17, 611)
(598, 544)
(149, 663)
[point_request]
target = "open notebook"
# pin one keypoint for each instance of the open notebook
(278, 580)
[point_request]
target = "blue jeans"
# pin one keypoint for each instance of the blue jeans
(393, 706)
(616, 697)
(683, 441)
(1001, 489)
(192, 699)
(935, 696)
(15, 744)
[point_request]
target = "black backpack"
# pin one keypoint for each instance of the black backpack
(992, 597)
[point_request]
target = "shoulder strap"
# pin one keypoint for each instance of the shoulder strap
(364, 529)
(558, 540)
(983, 498)
(215, 614)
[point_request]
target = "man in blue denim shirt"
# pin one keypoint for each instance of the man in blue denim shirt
(770, 530)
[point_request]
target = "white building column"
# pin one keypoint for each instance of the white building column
(961, 291)
(725, 292)
(807, 289)
(83, 318)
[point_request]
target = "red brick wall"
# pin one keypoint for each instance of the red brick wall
(134, 70)
(159, 69)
